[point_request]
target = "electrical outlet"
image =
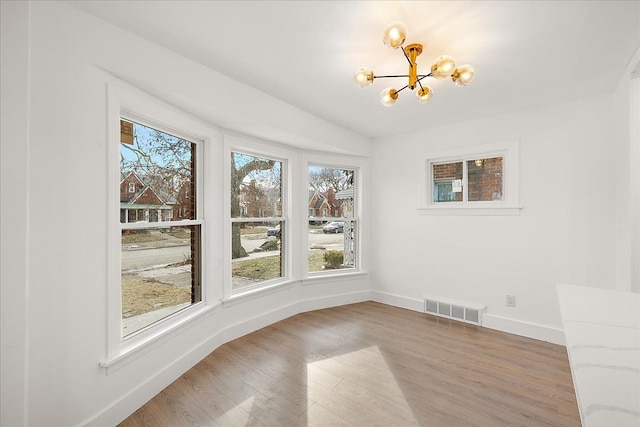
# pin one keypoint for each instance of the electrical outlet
(511, 301)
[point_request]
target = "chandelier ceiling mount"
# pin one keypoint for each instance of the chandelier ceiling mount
(443, 67)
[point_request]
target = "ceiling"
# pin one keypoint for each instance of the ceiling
(526, 54)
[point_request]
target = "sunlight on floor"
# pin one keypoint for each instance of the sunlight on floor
(239, 414)
(356, 387)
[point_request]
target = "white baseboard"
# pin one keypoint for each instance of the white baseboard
(504, 324)
(130, 402)
(525, 329)
(414, 304)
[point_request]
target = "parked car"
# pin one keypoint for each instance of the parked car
(334, 227)
(275, 231)
(315, 221)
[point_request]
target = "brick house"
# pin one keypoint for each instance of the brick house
(184, 206)
(258, 202)
(319, 206)
(139, 202)
(328, 205)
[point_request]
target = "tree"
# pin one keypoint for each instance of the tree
(321, 179)
(245, 166)
(162, 161)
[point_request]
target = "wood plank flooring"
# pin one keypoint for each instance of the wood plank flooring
(370, 364)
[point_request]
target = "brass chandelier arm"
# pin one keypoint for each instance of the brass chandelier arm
(420, 77)
(386, 77)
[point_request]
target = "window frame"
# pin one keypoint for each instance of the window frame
(509, 205)
(234, 143)
(198, 221)
(126, 101)
(358, 168)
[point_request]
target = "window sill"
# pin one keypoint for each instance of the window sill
(137, 346)
(328, 277)
(467, 210)
(254, 292)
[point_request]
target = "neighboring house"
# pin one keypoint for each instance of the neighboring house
(183, 205)
(258, 202)
(139, 202)
(318, 205)
(330, 204)
(344, 203)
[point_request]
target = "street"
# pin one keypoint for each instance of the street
(138, 258)
(141, 258)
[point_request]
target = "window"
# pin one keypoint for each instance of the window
(160, 258)
(332, 197)
(483, 178)
(479, 180)
(258, 221)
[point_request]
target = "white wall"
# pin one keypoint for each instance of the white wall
(14, 52)
(565, 232)
(54, 236)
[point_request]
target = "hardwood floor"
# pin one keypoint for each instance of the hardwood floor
(370, 364)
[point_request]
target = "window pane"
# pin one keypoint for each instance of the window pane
(157, 177)
(256, 187)
(333, 246)
(331, 201)
(261, 257)
(160, 274)
(485, 179)
(447, 182)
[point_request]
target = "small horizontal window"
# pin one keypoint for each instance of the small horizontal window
(479, 178)
(483, 178)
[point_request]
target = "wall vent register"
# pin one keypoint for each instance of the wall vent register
(451, 309)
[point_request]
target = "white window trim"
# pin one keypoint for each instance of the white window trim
(124, 100)
(510, 205)
(272, 151)
(359, 168)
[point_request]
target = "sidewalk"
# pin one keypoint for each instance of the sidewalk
(167, 241)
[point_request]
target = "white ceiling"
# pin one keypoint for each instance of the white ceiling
(526, 54)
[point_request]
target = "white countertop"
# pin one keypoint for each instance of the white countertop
(602, 330)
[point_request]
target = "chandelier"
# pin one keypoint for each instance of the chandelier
(443, 67)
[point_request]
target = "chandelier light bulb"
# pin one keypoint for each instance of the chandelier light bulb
(463, 75)
(424, 94)
(364, 77)
(443, 67)
(388, 97)
(395, 34)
